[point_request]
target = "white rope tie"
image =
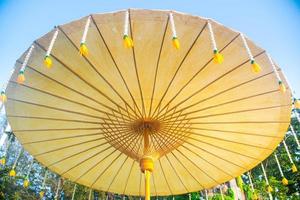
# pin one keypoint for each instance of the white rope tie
(22, 69)
(17, 158)
(86, 29)
(29, 169)
(206, 195)
(295, 136)
(57, 190)
(288, 152)
(6, 82)
(278, 164)
(52, 42)
(274, 68)
(126, 23)
(90, 194)
(190, 196)
(247, 47)
(44, 181)
(74, 191)
(250, 180)
(212, 37)
(172, 23)
(264, 172)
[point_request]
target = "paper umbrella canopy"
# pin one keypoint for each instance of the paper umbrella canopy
(139, 99)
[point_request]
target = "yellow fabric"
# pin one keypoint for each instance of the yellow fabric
(284, 181)
(26, 183)
(48, 62)
(147, 184)
(294, 168)
(21, 78)
(176, 43)
(256, 68)
(83, 50)
(282, 88)
(218, 58)
(128, 43)
(12, 173)
(3, 97)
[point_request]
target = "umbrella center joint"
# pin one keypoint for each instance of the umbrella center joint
(146, 125)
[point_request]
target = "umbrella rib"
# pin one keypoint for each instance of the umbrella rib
(181, 63)
(214, 81)
(61, 138)
(58, 129)
(59, 109)
(153, 181)
(114, 61)
(236, 112)
(118, 171)
(82, 79)
(177, 174)
(127, 179)
(191, 174)
(228, 102)
(65, 86)
(157, 64)
(95, 69)
(219, 93)
(135, 67)
(66, 99)
(162, 170)
(202, 68)
(65, 147)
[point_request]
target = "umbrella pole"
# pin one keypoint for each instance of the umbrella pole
(146, 164)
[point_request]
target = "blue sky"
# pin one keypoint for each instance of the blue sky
(272, 24)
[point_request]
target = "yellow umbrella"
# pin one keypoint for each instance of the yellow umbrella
(187, 104)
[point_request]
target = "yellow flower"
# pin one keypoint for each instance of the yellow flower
(2, 161)
(128, 43)
(21, 77)
(3, 97)
(269, 189)
(294, 168)
(12, 173)
(282, 87)
(26, 183)
(176, 43)
(218, 58)
(255, 67)
(48, 62)
(297, 103)
(42, 193)
(83, 50)
(284, 181)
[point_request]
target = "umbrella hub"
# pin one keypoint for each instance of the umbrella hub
(146, 125)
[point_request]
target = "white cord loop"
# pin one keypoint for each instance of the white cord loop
(247, 48)
(212, 37)
(52, 42)
(86, 29)
(172, 23)
(126, 23)
(278, 164)
(22, 69)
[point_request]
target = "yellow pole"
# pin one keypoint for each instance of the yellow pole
(147, 184)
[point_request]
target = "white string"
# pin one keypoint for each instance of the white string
(86, 29)
(206, 196)
(6, 82)
(126, 23)
(29, 169)
(288, 84)
(17, 158)
(26, 59)
(52, 42)
(247, 47)
(90, 195)
(274, 68)
(279, 167)
(264, 172)
(295, 136)
(190, 197)
(212, 37)
(250, 180)
(221, 192)
(44, 181)
(287, 151)
(74, 191)
(58, 187)
(172, 23)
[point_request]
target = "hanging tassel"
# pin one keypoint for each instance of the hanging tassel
(12, 173)
(42, 192)
(175, 40)
(128, 43)
(295, 136)
(83, 50)
(2, 161)
(3, 158)
(294, 168)
(297, 103)
(218, 58)
(74, 191)
(240, 182)
(90, 194)
(255, 66)
(26, 180)
(284, 180)
(3, 97)
(281, 86)
(21, 76)
(47, 59)
(269, 188)
(254, 197)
